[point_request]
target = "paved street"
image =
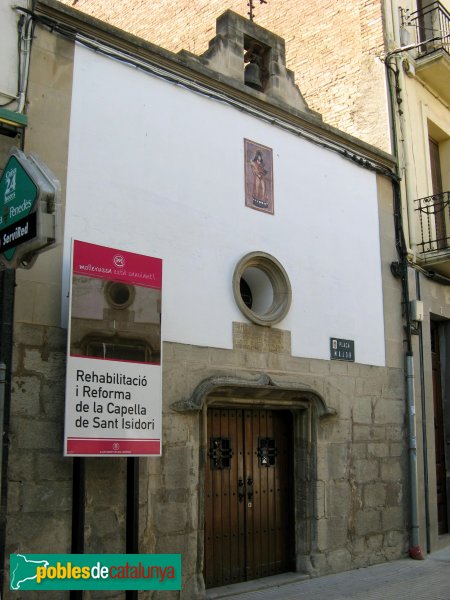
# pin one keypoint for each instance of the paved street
(405, 579)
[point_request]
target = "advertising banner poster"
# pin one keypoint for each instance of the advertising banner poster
(113, 382)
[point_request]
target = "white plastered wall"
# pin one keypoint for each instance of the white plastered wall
(157, 169)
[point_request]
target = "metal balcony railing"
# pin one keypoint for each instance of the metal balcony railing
(434, 219)
(430, 23)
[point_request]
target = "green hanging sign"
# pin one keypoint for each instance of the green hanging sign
(29, 212)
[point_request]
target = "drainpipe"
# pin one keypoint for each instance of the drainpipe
(405, 141)
(400, 269)
(406, 167)
(404, 146)
(415, 550)
(424, 423)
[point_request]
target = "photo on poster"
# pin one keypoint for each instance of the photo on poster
(114, 320)
(258, 177)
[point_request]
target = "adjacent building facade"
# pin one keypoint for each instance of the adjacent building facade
(283, 340)
(418, 64)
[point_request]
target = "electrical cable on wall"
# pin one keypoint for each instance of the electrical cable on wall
(24, 40)
(164, 73)
(398, 100)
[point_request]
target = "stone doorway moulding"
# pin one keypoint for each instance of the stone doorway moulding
(307, 406)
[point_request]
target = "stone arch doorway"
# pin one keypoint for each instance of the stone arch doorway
(277, 410)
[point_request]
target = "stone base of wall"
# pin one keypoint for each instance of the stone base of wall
(354, 511)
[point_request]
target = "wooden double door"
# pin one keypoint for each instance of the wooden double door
(249, 522)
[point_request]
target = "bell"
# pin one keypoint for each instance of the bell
(252, 76)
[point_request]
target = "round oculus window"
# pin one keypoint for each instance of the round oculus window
(262, 289)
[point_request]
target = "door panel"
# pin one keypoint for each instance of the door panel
(224, 516)
(439, 438)
(248, 495)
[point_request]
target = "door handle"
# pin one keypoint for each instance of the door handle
(249, 488)
(241, 485)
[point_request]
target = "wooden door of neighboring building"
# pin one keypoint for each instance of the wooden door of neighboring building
(249, 524)
(439, 437)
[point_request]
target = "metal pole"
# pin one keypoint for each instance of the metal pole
(424, 424)
(132, 528)
(415, 550)
(7, 287)
(2, 412)
(2, 474)
(78, 513)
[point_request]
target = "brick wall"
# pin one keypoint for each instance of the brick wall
(332, 47)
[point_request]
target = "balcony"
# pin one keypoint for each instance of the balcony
(430, 28)
(434, 221)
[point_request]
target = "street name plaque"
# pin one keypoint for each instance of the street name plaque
(342, 349)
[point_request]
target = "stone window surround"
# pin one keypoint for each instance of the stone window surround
(279, 280)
